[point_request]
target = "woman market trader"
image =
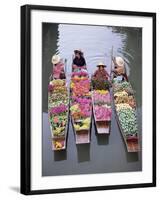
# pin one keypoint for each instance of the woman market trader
(79, 60)
(101, 73)
(119, 69)
(58, 67)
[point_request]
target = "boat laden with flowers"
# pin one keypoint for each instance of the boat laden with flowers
(101, 100)
(58, 110)
(126, 115)
(81, 105)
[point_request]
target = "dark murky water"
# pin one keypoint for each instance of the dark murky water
(103, 154)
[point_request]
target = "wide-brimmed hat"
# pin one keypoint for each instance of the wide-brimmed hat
(78, 51)
(101, 64)
(55, 59)
(119, 61)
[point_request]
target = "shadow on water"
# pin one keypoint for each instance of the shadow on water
(60, 155)
(132, 157)
(83, 152)
(102, 139)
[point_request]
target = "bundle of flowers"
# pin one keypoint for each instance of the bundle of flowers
(82, 125)
(80, 111)
(58, 125)
(81, 100)
(100, 84)
(101, 97)
(81, 88)
(79, 74)
(56, 97)
(103, 113)
(123, 86)
(58, 109)
(57, 85)
(58, 144)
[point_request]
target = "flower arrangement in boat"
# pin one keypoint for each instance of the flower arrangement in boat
(127, 117)
(102, 105)
(101, 97)
(125, 107)
(80, 100)
(100, 84)
(61, 109)
(103, 112)
(58, 110)
(82, 124)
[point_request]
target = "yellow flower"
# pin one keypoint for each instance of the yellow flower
(122, 105)
(122, 93)
(102, 91)
(77, 127)
(72, 85)
(86, 121)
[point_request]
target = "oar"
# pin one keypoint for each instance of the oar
(65, 66)
(111, 60)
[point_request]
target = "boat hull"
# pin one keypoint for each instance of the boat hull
(132, 143)
(57, 141)
(82, 136)
(102, 126)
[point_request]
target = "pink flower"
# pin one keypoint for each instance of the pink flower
(58, 109)
(103, 113)
(80, 73)
(102, 98)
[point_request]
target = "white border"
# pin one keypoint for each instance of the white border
(41, 183)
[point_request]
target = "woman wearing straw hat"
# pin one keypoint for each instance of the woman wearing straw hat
(79, 60)
(119, 68)
(101, 73)
(58, 67)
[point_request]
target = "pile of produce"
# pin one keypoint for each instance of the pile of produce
(123, 86)
(58, 110)
(99, 84)
(101, 99)
(80, 100)
(125, 106)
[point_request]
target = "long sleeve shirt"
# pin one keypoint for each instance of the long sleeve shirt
(79, 61)
(101, 74)
(57, 70)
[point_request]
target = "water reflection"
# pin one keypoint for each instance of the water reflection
(96, 43)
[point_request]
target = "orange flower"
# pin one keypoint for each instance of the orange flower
(55, 119)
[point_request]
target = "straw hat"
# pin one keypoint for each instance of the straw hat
(78, 51)
(119, 61)
(101, 64)
(55, 59)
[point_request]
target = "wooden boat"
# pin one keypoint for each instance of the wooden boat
(131, 139)
(102, 123)
(82, 135)
(59, 122)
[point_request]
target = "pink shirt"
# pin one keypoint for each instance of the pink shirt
(57, 69)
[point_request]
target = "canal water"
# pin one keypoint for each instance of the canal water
(104, 154)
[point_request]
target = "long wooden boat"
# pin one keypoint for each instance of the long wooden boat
(126, 114)
(81, 119)
(102, 111)
(58, 111)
